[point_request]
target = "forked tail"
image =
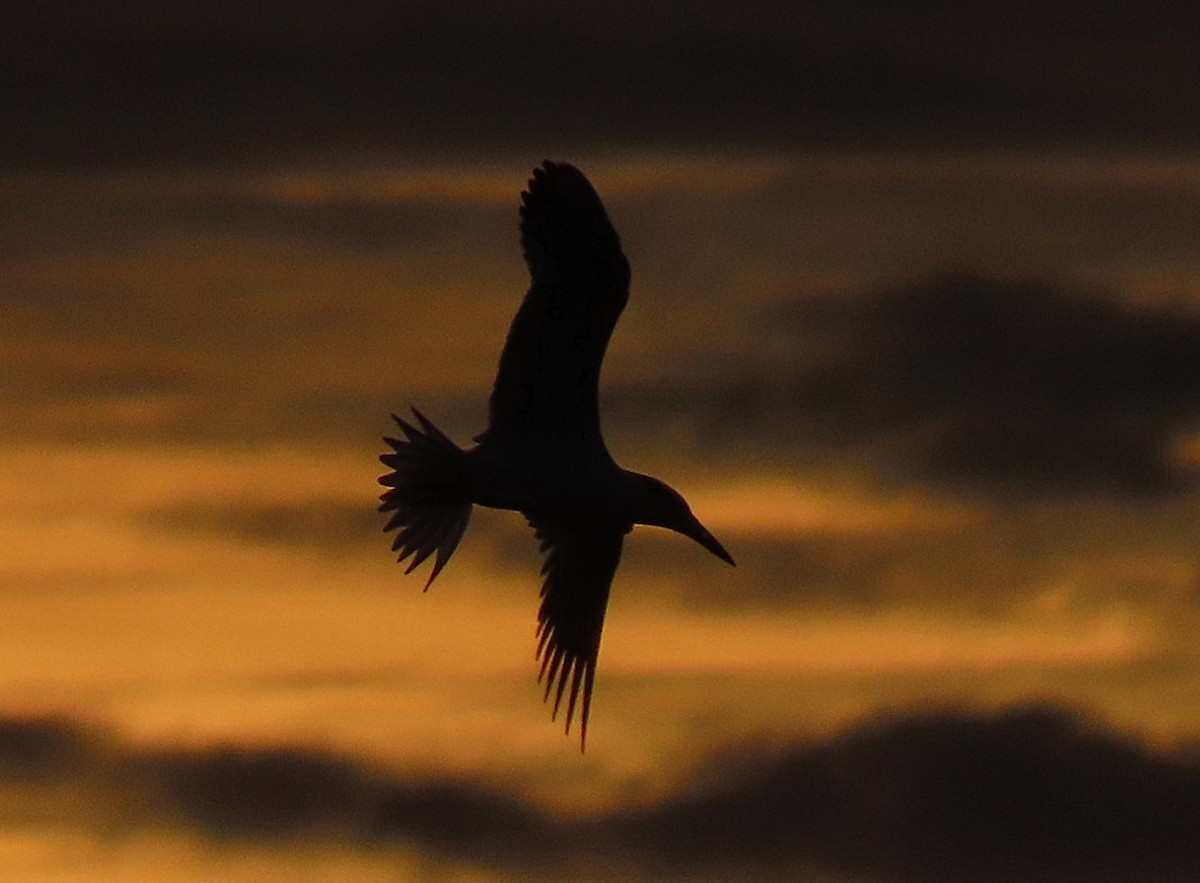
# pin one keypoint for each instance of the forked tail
(425, 496)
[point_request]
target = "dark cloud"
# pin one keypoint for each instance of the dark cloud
(851, 571)
(237, 793)
(41, 750)
(469, 822)
(49, 218)
(1031, 793)
(1022, 387)
(326, 526)
(346, 223)
(135, 83)
(1035, 793)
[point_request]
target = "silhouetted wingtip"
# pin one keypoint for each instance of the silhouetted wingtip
(438, 564)
(547, 168)
(576, 680)
(562, 687)
(552, 678)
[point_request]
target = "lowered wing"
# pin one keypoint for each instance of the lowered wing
(580, 562)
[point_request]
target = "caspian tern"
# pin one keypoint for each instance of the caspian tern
(542, 453)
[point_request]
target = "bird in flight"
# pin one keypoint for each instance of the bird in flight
(542, 453)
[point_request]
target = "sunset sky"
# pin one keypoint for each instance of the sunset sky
(914, 326)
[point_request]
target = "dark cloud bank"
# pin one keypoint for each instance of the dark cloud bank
(1024, 387)
(1031, 793)
(136, 83)
(326, 526)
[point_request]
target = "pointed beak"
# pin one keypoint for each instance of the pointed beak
(700, 534)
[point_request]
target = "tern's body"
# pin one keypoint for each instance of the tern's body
(554, 486)
(543, 454)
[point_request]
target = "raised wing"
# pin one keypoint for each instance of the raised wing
(546, 389)
(580, 562)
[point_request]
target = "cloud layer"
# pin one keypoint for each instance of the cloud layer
(1018, 386)
(1032, 793)
(136, 84)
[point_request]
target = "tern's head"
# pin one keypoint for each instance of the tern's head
(660, 505)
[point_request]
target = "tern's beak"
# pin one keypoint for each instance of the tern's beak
(700, 534)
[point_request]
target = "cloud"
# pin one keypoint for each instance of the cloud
(1031, 793)
(233, 793)
(471, 823)
(142, 84)
(40, 750)
(1021, 387)
(356, 226)
(325, 525)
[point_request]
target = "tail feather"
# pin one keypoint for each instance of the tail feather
(425, 496)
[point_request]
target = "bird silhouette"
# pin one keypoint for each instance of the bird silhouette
(542, 453)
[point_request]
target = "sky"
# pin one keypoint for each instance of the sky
(914, 326)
